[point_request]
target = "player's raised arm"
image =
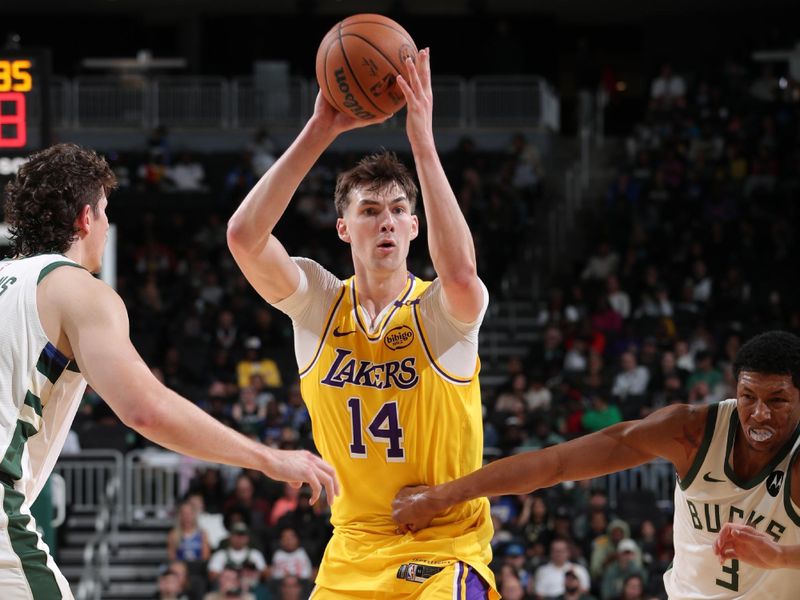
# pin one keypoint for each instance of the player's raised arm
(673, 433)
(449, 239)
(259, 254)
(95, 322)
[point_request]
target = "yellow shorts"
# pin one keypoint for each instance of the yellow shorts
(457, 581)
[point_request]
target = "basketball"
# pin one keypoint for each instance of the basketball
(358, 62)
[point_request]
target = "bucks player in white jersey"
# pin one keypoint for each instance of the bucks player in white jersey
(63, 327)
(737, 499)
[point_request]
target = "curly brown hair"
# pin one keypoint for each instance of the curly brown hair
(375, 171)
(47, 195)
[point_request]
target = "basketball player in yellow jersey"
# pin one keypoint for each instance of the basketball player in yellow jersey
(388, 363)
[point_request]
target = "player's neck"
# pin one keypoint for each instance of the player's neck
(378, 289)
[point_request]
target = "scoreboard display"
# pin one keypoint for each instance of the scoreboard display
(24, 101)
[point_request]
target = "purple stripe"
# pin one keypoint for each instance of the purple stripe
(459, 570)
(475, 586)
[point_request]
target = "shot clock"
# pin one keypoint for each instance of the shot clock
(24, 101)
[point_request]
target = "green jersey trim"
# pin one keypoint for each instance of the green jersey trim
(702, 451)
(787, 492)
(54, 265)
(24, 542)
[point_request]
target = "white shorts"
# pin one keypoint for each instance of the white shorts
(27, 571)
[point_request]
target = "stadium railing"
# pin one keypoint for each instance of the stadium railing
(87, 476)
(188, 102)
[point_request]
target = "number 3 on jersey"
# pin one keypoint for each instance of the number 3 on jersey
(384, 427)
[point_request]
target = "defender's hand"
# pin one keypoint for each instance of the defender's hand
(413, 508)
(744, 543)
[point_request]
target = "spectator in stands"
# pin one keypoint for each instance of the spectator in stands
(252, 581)
(310, 522)
(604, 548)
(229, 586)
(624, 565)
(187, 174)
(573, 589)
(254, 362)
(158, 143)
(187, 541)
(286, 503)
(192, 586)
(238, 552)
(238, 181)
(668, 90)
(600, 415)
(630, 385)
(169, 587)
(153, 174)
(248, 416)
(263, 151)
(538, 397)
(602, 264)
(296, 413)
(705, 372)
(549, 579)
(634, 589)
(291, 588)
(211, 524)
(227, 331)
(244, 501)
(618, 298)
(514, 557)
(511, 588)
(291, 558)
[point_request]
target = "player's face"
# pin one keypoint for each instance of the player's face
(379, 226)
(769, 409)
(97, 235)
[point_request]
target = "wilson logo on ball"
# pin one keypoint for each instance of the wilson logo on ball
(348, 100)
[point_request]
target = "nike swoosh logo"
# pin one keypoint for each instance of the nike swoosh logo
(710, 479)
(337, 333)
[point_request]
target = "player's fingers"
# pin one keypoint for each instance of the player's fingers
(405, 88)
(413, 75)
(316, 486)
(425, 69)
(329, 483)
(296, 484)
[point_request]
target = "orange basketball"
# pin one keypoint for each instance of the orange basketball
(358, 62)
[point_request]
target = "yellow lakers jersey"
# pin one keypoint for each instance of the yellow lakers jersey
(386, 415)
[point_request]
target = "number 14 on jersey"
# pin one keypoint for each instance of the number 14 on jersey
(384, 427)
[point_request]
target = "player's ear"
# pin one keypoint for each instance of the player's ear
(414, 227)
(341, 230)
(83, 221)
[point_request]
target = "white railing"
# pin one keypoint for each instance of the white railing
(255, 104)
(152, 483)
(87, 476)
(191, 102)
(88, 102)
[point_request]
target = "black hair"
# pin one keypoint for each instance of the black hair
(773, 353)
